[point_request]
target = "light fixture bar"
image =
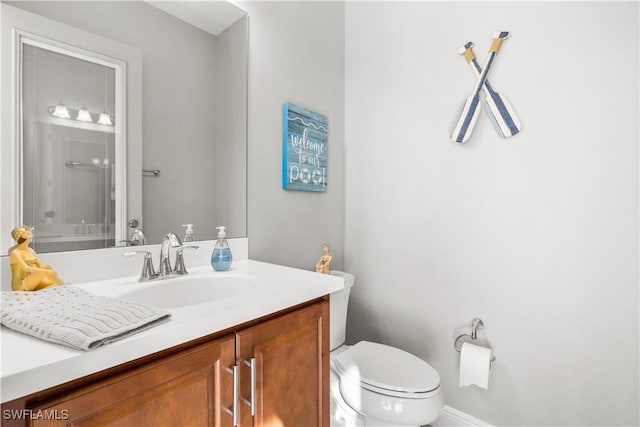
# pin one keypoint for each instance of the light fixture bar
(81, 115)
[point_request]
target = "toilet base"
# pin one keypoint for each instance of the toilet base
(346, 417)
(342, 415)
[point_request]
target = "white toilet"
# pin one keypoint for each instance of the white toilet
(374, 384)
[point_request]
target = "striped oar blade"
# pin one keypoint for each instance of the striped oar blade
(470, 110)
(499, 110)
(467, 119)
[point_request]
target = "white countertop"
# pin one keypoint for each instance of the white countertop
(30, 365)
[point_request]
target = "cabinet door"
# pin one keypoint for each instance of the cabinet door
(291, 368)
(190, 388)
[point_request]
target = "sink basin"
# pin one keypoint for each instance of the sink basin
(187, 291)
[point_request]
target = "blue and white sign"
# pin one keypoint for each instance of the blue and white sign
(304, 149)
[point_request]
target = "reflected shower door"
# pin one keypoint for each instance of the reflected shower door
(68, 151)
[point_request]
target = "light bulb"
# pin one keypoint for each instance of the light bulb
(60, 111)
(84, 115)
(105, 119)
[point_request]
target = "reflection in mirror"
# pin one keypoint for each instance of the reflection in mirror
(190, 125)
(69, 167)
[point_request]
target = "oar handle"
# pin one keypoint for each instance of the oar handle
(498, 38)
(467, 52)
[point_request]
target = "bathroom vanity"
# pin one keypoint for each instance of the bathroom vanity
(256, 357)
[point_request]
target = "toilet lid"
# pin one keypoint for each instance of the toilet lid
(387, 368)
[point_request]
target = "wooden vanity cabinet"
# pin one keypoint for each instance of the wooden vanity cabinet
(288, 384)
(290, 357)
(190, 388)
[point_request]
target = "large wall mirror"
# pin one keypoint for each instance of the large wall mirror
(119, 116)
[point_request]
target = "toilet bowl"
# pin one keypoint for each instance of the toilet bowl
(376, 384)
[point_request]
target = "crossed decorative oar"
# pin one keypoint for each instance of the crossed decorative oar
(499, 110)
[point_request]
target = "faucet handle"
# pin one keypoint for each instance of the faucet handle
(148, 272)
(138, 238)
(179, 264)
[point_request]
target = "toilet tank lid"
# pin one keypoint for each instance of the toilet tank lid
(388, 368)
(348, 278)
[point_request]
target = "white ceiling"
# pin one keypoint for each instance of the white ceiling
(212, 16)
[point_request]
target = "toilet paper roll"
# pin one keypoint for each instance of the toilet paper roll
(475, 365)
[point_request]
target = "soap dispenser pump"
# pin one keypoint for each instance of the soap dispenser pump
(221, 258)
(188, 234)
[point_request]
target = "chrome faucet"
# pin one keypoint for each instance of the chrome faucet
(137, 238)
(171, 240)
(149, 273)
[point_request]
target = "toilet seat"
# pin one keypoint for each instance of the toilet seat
(387, 370)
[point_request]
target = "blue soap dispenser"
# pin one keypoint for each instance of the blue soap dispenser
(221, 258)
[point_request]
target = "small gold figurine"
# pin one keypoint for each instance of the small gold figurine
(324, 263)
(27, 273)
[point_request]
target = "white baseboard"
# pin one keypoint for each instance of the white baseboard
(451, 417)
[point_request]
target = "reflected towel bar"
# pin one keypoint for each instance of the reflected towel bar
(72, 164)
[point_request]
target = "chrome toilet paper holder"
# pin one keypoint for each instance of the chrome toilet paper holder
(476, 324)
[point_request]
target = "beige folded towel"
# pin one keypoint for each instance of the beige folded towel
(74, 317)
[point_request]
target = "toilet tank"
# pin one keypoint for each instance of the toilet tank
(339, 302)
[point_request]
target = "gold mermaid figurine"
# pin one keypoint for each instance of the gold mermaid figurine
(324, 264)
(27, 273)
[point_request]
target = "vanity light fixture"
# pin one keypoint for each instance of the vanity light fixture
(81, 115)
(84, 115)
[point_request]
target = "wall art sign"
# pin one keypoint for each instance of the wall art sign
(304, 149)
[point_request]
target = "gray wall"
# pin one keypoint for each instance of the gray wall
(231, 137)
(297, 56)
(537, 235)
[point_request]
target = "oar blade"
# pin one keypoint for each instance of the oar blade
(467, 119)
(502, 115)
